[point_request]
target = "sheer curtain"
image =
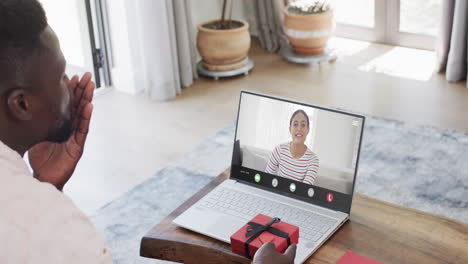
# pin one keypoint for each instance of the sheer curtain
(166, 57)
(269, 16)
(452, 42)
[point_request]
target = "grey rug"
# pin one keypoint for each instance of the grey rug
(415, 166)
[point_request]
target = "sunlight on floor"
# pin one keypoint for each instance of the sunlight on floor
(414, 64)
(402, 62)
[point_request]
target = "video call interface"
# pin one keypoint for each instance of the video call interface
(298, 150)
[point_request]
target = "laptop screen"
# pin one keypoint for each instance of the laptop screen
(302, 151)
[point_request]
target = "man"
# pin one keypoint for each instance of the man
(44, 113)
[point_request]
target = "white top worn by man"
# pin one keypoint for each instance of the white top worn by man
(38, 223)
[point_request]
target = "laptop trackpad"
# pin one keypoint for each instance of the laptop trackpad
(210, 223)
(226, 226)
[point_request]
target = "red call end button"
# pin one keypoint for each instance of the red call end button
(329, 197)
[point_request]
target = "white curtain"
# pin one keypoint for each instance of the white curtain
(452, 42)
(167, 55)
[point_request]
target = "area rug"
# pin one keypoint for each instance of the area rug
(415, 166)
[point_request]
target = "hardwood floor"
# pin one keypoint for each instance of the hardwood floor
(131, 137)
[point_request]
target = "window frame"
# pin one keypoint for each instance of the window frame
(386, 28)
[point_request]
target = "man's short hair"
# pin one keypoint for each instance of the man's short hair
(21, 24)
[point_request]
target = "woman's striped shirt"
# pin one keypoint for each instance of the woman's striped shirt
(283, 164)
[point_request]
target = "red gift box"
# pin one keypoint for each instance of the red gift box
(260, 230)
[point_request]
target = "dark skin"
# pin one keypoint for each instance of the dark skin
(267, 255)
(33, 109)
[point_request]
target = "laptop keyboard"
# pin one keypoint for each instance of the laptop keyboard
(240, 204)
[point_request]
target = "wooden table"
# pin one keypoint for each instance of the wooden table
(382, 231)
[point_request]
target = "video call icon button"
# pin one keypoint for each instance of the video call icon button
(274, 182)
(292, 187)
(310, 192)
(257, 177)
(329, 197)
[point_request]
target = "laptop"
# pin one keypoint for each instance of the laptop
(290, 160)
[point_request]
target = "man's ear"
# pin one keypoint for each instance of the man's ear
(19, 105)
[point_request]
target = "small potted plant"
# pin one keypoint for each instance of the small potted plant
(223, 44)
(308, 24)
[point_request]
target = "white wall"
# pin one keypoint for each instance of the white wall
(335, 138)
(247, 120)
(211, 9)
(264, 122)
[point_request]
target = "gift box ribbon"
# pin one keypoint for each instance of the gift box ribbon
(255, 229)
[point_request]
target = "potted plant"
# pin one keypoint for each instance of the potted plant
(308, 24)
(224, 43)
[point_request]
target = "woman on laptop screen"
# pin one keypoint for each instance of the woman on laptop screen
(294, 160)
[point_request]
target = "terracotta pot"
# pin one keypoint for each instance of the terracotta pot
(308, 34)
(223, 49)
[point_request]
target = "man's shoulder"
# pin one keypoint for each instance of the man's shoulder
(46, 224)
(26, 201)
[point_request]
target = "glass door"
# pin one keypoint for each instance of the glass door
(75, 23)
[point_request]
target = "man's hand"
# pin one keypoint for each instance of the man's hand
(55, 162)
(267, 255)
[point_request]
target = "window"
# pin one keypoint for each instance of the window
(411, 23)
(362, 12)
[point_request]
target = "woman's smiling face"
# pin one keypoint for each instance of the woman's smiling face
(299, 128)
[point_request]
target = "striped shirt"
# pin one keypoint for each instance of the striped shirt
(283, 164)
